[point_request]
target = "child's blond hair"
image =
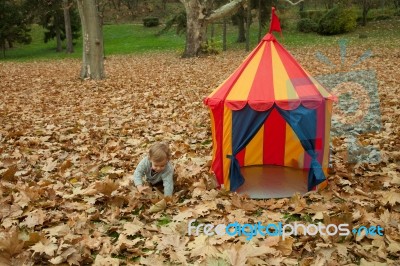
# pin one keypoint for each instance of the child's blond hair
(159, 152)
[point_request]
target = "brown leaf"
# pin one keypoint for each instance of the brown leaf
(105, 261)
(202, 247)
(131, 228)
(159, 206)
(34, 218)
(65, 165)
(271, 241)
(364, 262)
(394, 246)
(392, 197)
(237, 255)
(152, 260)
(50, 165)
(10, 244)
(297, 202)
(49, 248)
(286, 246)
(9, 175)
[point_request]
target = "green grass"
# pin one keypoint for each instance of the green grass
(128, 38)
(118, 39)
(38, 49)
(134, 38)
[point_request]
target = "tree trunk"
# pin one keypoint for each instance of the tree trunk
(248, 22)
(259, 21)
(224, 36)
(68, 30)
(364, 14)
(397, 4)
(92, 33)
(195, 28)
(198, 15)
(301, 6)
(241, 27)
(4, 48)
(58, 38)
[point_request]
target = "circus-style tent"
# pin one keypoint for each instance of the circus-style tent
(270, 111)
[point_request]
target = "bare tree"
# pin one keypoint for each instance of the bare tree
(92, 33)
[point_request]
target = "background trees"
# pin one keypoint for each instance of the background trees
(193, 17)
(14, 24)
(69, 31)
(59, 18)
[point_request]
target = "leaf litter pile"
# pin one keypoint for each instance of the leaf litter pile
(68, 148)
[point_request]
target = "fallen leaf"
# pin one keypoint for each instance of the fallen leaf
(159, 206)
(49, 248)
(50, 165)
(131, 228)
(105, 261)
(364, 262)
(391, 197)
(11, 244)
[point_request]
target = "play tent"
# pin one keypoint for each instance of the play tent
(270, 111)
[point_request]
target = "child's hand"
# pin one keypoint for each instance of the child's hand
(142, 188)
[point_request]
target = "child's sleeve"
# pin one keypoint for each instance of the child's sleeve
(140, 171)
(168, 181)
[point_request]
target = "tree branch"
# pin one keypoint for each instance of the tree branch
(224, 10)
(293, 4)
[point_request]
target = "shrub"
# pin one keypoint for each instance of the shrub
(338, 20)
(209, 47)
(314, 15)
(151, 22)
(180, 21)
(307, 25)
(284, 23)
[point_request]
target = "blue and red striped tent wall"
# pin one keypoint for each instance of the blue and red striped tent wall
(269, 79)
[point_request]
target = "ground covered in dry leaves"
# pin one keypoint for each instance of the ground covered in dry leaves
(68, 147)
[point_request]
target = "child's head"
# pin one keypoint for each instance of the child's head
(159, 155)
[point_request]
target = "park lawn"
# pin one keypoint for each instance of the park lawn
(136, 39)
(118, 39)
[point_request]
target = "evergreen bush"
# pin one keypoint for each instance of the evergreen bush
(338, 20)
(314, 15)
(307, 25)
(151, 22)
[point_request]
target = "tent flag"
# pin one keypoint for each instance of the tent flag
(275, 24)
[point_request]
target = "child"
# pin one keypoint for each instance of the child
(157, 168)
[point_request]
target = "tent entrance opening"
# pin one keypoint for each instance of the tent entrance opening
(273, 181)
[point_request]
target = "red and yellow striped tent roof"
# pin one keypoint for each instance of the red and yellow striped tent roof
(269, 75)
